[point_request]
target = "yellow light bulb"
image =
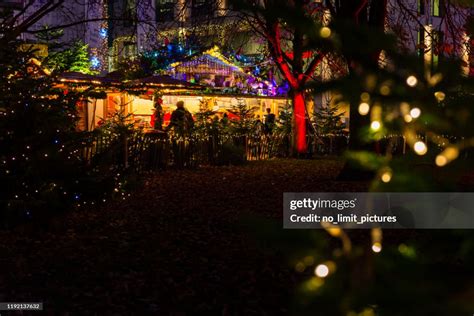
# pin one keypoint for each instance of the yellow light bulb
(440, 95)
(376, 247)
(364, 108)
(420, 148)
(412, 81)
(408, 118)
(441, 161)
(386, 176)
(375, 125)
(451, 153)
(325, 32)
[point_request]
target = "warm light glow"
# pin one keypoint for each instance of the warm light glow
(334, 231)
(408, 118)
(300, 266)
(322, 271)
(384, 90)
(448, 155)
(375, 125)
(451, 153)
(415, 112)
(386, 176)
(435, 79)
(325, 32)
(441, 161)
(420, 148)
(412, 81)
(364, 108)
(405, 107)
(440, 95)
(377, 247)
(365, 97)
(314, 283)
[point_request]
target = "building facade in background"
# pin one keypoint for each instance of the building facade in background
(120, 29)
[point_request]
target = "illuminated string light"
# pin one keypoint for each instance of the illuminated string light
(440, 95)
(325, 32)
(441, 161)
(448, 155)
(412, 81)
(386, 176)
(321, 271)
(364, 108)
(375, 125)
(408, 118)
(415, 112)
(376, 247)
(420, 148)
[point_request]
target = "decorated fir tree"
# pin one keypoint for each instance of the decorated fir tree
(39, 151)
(329, 121)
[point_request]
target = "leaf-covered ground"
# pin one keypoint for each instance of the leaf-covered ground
(176, 246)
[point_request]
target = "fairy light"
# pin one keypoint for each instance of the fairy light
(385, 90)
(415, 113)
(412, 81)
(325, 32)
(408, 118)
(376, 247)
(321, 270)
(451, 153)
(420, 148)
(440, 95)
(448, 155)
(441, 160)
(375, 125)
(386, 176)
(364, 108)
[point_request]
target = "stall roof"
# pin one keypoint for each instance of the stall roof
(79, 77)
(114, 78)
(211, 58)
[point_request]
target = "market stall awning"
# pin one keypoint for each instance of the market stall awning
(79, 77)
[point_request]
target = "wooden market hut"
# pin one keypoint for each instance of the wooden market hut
(113, 94)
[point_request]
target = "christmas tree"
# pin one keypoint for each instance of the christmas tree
(39, 146)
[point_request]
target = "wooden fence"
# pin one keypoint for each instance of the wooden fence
(159, 150)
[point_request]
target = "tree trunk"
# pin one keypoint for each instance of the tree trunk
(299, 117)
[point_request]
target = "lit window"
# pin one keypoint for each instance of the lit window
(437, 7)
